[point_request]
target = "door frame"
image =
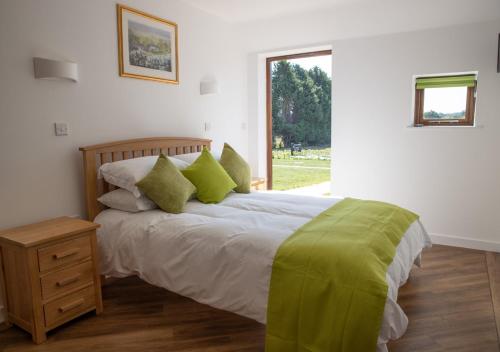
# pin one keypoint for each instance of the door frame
(269, 104)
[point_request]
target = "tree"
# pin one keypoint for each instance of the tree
(301, 104)
(284, 84)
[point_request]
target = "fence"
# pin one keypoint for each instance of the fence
(309, 153)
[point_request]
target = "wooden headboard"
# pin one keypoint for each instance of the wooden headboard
(96, 155)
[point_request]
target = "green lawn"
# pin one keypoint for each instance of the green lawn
(294, 173)
(302, 162)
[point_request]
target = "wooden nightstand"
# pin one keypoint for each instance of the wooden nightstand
(258, 183)
(50, 274)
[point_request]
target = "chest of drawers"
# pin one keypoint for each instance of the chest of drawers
(49, 274)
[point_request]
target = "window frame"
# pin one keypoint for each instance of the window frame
(470, 106)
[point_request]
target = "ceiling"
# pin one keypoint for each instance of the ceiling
(250, 10)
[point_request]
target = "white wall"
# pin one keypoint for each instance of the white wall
(40, 174)
(309, 30)
(450, 175)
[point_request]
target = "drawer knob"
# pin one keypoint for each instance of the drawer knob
(68, 281)
(70, 306)
(65, 254)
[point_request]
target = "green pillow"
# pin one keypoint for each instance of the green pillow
(237, 168)
(166, 186)
(211, 180)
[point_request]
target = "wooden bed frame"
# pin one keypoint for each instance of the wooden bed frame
(96, 155)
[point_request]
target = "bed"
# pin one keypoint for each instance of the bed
(218, 254)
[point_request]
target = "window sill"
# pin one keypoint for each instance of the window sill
(441, 127)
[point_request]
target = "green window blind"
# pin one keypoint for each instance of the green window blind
(446, 82)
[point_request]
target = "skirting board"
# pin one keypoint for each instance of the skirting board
(455, 241)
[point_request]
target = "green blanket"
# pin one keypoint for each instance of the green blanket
(328, 287)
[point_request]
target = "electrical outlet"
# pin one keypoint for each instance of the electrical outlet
(61, 128)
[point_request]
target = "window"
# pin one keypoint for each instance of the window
(445, 100)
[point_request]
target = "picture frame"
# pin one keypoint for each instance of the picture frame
(147, 46)
(498, 55)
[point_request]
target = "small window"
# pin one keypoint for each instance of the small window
(445, 100)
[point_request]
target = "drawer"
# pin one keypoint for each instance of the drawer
(69, 307)
(64, 253)
(65, 280)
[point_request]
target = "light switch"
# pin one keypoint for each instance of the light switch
(61, 128)
(208, 126)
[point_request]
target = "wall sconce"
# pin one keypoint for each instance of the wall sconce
(209, 87)
(55, 70)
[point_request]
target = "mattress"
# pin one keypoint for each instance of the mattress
(222, 254)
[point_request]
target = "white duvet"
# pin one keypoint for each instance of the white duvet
(222, 254)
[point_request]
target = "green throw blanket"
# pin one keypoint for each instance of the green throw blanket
(328, 287)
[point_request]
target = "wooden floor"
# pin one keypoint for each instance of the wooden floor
(448, 301)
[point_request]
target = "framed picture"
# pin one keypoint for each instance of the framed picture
(498, 55)
(147, 46)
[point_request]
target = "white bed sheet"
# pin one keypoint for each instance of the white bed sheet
(222, 254)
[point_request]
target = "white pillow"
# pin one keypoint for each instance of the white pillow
(191, 157)
(122, 199)
(126, 173)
